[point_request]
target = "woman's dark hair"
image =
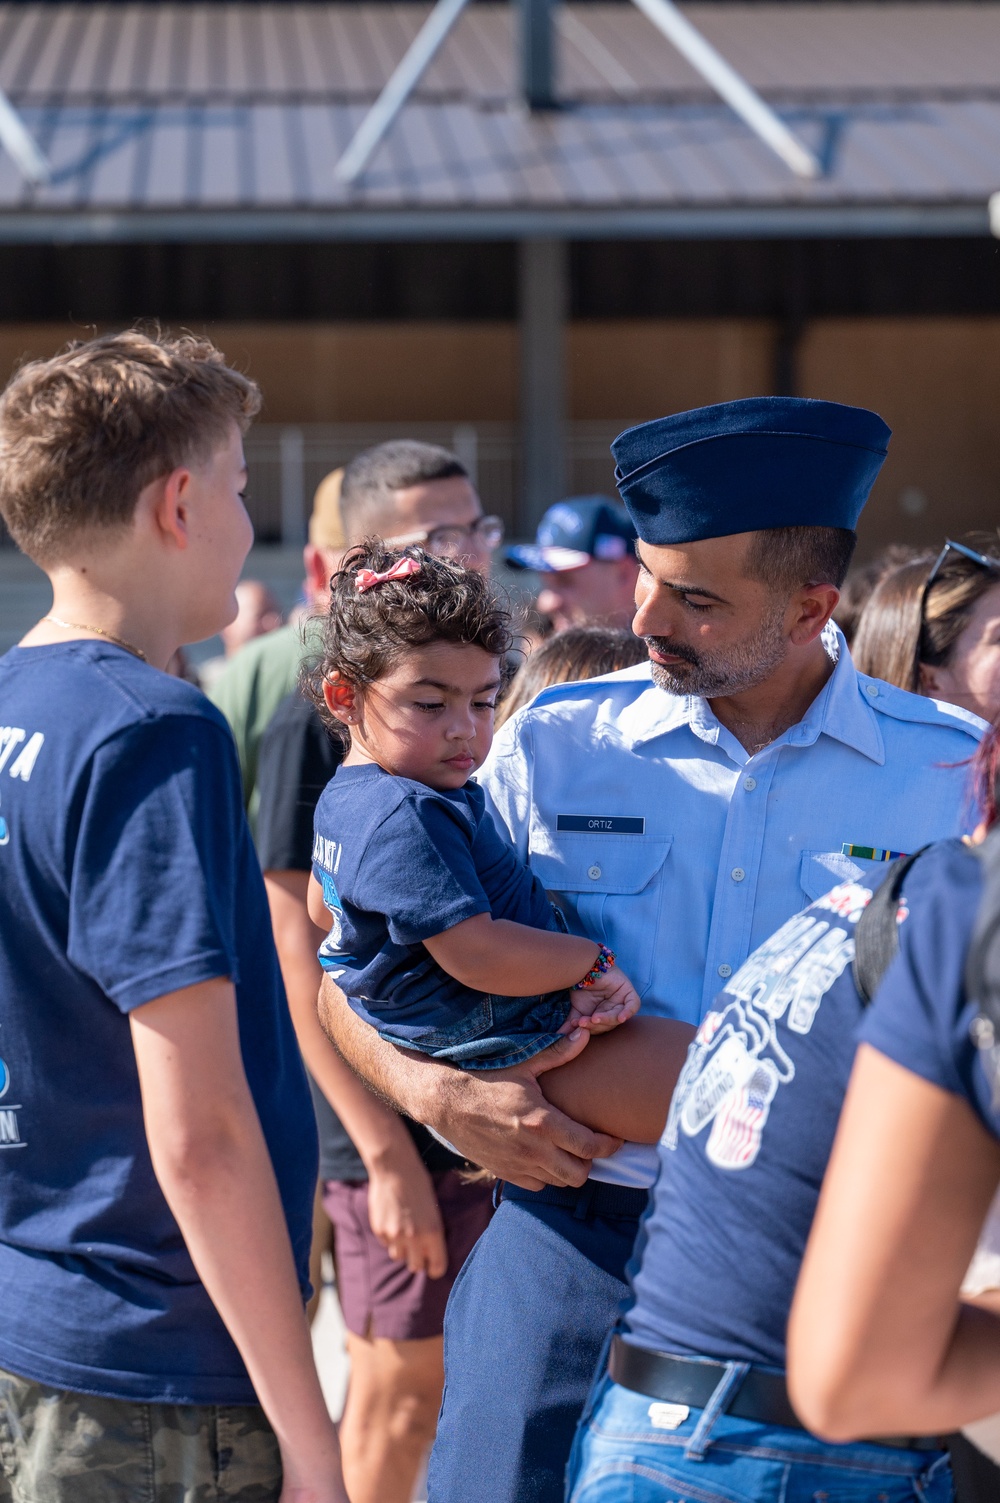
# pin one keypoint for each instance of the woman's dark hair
(986, 776)
(365, 631)
(899, 629)
(578, 652)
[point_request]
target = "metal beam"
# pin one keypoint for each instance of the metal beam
(397, 91)
(21, 145)
(543, 278)
(682, 222)
(538, 54)
(728, 84)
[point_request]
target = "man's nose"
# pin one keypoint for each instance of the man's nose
(653, 616)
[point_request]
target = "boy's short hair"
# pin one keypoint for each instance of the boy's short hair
(82, 434)
(372, 477)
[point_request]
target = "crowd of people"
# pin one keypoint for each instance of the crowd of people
(637, 961)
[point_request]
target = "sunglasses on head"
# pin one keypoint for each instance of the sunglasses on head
(982, 559)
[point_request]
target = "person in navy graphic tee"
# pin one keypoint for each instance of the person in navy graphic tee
(156, 1131)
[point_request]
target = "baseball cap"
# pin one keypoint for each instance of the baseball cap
(326, 529)
(574, 532)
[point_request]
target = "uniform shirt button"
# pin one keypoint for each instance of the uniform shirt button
(872, 691)
(749, 784)
(725, 970)
(738, 874)
(593, 872)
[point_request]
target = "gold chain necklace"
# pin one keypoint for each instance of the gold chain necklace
(100, 632)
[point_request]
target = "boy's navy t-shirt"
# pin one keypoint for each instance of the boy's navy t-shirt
(400, 862)
(750, 1131)
(922, 1018)
(126, 872)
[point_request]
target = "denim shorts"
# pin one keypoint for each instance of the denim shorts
(632, 1449)
(495, 1033)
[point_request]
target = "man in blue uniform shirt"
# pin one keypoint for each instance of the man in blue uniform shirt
(681, 813)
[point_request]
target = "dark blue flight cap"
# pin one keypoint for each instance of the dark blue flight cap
(744, 466)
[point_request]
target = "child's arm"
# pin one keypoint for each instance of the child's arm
(213, 1165)
(496, 955)
(402, 1206)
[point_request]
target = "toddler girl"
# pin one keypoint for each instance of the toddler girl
(438, 936)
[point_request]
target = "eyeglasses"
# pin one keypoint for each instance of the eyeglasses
(450, 540)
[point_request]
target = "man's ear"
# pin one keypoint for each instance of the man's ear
(168, 500)
(341, 698)
(812, 606)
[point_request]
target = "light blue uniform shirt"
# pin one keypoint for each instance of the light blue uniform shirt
(659, 835)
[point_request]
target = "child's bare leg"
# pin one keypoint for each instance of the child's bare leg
(622, 1082)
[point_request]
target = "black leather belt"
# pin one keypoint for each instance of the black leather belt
(762, 1396)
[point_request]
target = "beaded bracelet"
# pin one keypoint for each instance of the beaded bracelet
(605, 960)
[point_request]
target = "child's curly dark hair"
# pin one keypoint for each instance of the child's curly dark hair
(365, 631)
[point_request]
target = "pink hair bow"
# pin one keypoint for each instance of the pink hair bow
(366, 579)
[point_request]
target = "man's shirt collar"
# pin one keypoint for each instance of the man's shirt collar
(839, 711)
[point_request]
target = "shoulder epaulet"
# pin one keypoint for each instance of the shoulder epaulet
(900, 704)
(639, 673)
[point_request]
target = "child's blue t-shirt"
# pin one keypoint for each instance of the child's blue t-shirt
(400, 862)
(126, 872)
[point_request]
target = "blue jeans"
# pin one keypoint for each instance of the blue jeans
(626, 1452)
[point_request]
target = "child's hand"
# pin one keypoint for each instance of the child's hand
(609, 1001)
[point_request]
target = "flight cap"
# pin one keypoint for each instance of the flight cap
(750, 465)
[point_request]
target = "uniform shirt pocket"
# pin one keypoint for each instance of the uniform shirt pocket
(819, 871)
(610, 887)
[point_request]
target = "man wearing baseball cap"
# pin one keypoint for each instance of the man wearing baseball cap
(585, 551)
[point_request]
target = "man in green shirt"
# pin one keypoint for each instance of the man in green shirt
(404, 491)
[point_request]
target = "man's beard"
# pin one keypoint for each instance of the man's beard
(744, 665)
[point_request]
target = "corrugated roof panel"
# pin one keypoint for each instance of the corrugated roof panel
(115, 147)
(220, 185)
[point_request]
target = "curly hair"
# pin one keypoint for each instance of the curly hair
(366, 631)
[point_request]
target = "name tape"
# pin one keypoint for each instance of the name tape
(602, 824)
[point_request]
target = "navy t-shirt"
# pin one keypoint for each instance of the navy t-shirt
(921, 1017)
(126, 872)
(746, 1146)
(400, 862)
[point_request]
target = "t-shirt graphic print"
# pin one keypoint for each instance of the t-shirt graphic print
(738, 1061)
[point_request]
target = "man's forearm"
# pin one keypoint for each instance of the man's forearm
(405, 1080)
(497, 1118)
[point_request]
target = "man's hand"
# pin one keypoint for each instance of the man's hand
(496, 1118)
(405, 1216)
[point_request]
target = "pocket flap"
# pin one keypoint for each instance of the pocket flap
(596, 863)
(821, 870)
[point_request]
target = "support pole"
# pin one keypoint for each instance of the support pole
(21, 145)
(293, 487)
(381, 117)
(538, 54)
(728, 84)
(544, 278)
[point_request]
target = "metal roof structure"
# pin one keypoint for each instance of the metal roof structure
(225, 121)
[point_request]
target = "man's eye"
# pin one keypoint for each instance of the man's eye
(695, 606)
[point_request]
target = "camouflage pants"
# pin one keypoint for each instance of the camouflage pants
(60, 1447)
